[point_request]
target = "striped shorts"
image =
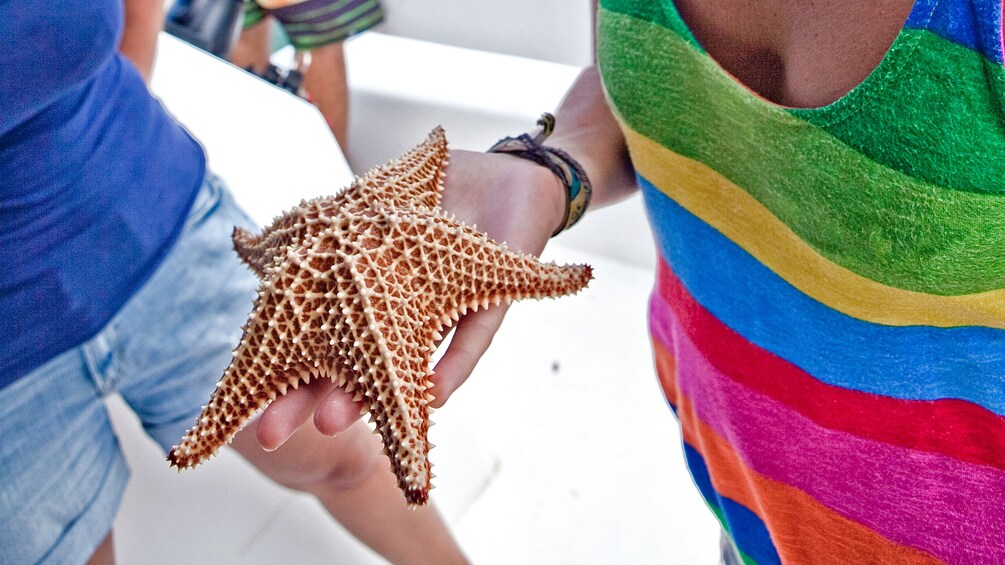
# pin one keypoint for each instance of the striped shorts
(313, 23)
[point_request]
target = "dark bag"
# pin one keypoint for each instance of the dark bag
(210, 25)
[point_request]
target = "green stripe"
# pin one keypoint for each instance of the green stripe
(253, 13)
(304, 42)
(955, 92)
(324, 10)
(883, 224)
(301, 23)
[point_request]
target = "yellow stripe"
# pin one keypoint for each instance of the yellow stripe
(745, 221)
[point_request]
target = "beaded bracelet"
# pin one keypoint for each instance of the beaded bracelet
(577, 185)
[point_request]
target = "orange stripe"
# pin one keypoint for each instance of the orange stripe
(666, 370)
(803, 530)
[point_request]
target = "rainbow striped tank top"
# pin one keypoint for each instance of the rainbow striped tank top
(829, 314)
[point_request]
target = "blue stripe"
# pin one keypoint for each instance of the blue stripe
(748, 531)
(913, 362)
(974, 24)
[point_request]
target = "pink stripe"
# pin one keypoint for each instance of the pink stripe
(920, 499)
(661, 321)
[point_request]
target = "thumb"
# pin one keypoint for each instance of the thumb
(472, 337)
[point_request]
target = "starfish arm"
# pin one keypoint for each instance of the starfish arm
(470, 271)
(263, 250)
(415, 180)
(272, 355)
(249, 249)
(392, 367)
(248, 385)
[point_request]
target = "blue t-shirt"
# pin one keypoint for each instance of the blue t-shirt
(95, 177)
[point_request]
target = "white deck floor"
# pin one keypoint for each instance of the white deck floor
(582, 466)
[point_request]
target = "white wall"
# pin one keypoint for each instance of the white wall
(550, 30)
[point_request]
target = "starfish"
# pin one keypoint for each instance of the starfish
(359, 288)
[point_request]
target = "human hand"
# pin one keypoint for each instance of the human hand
(512, 200)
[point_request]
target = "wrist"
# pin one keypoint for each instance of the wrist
(545, 195)
(567, 170)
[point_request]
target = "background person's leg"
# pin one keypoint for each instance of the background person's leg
(254, 47)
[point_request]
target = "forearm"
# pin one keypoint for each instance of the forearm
(586, 129)
(144, 20)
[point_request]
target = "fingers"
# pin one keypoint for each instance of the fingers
(333, 409)
(286, 414)
(472, 337)
(336, 412)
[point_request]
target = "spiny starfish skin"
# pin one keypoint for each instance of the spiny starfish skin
(358, 288)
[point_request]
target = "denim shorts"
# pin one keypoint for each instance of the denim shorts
(62, 474)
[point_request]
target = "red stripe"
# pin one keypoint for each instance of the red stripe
(951, 427)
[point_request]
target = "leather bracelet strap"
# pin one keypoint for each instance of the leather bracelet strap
(578, 189)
